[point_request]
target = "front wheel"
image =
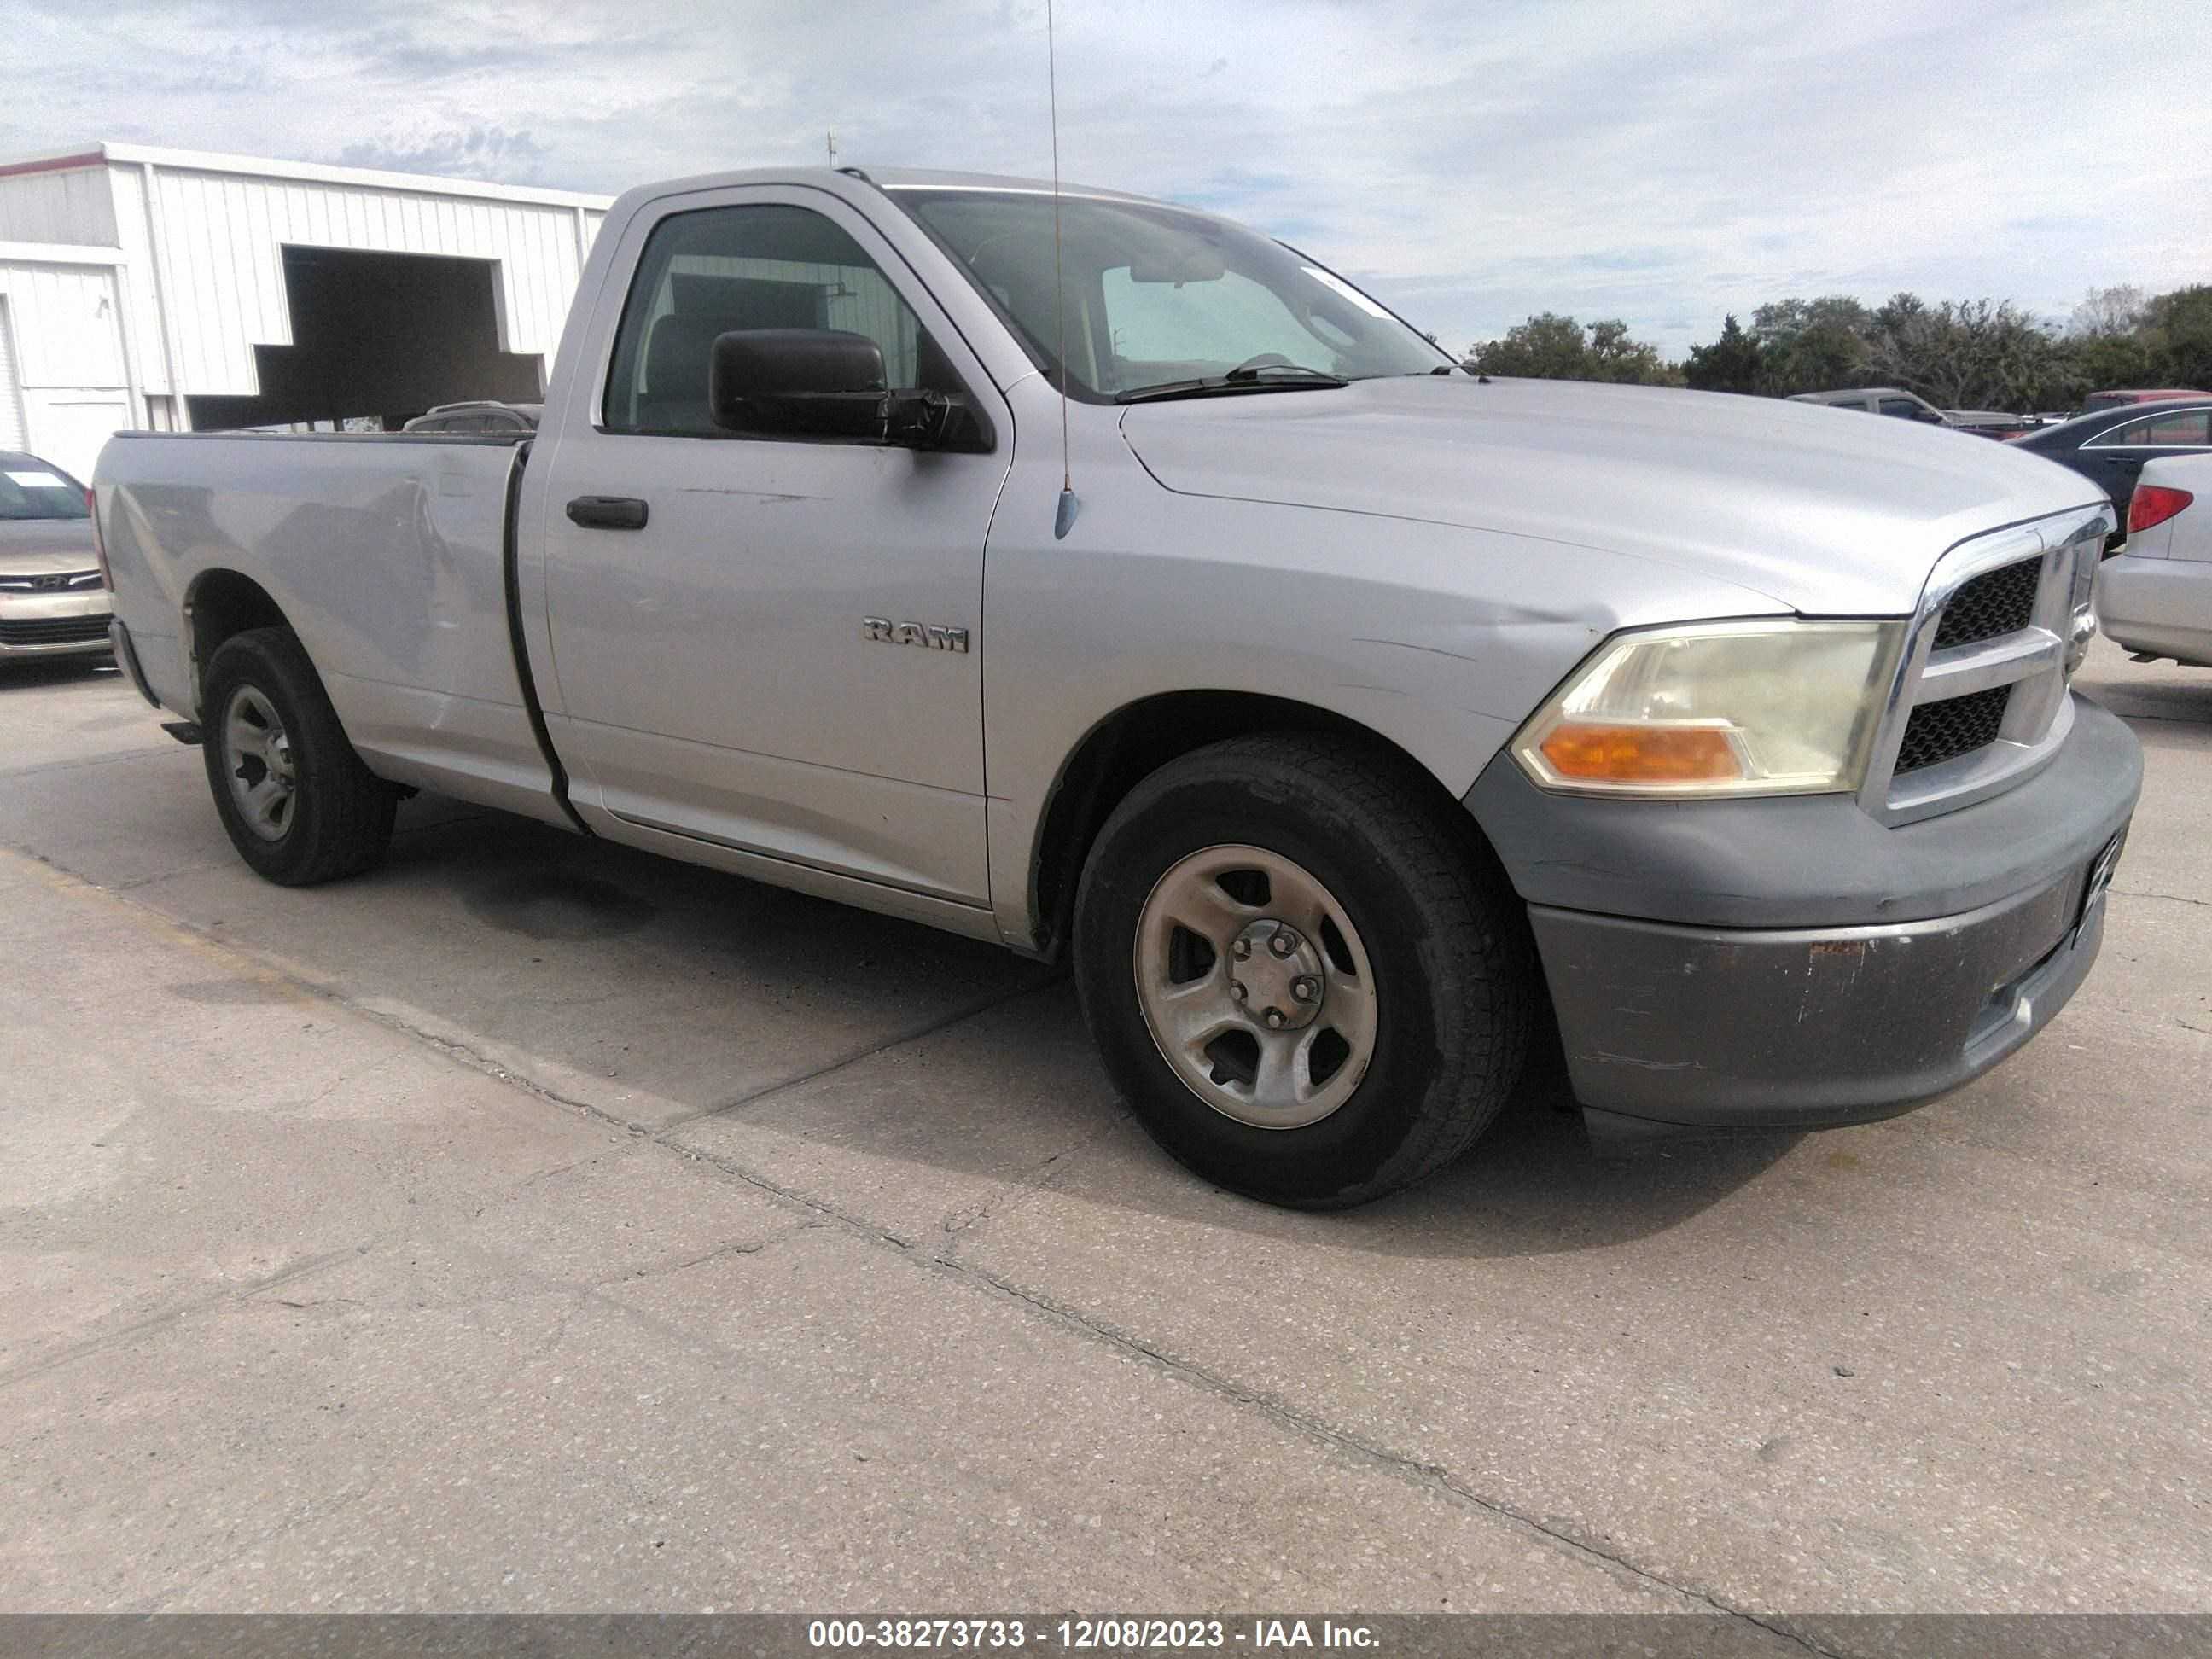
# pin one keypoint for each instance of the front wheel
(1311, 984)
(299, 806)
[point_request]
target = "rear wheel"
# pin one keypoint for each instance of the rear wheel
(1311, 984)
(298, 804)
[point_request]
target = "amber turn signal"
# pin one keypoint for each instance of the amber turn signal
(1591, 753)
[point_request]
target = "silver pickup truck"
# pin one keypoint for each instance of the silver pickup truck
(1349, 723)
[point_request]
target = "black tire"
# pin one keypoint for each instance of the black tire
(1454, 968)
(339, 819)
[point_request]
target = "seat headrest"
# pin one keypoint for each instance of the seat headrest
(676, 353)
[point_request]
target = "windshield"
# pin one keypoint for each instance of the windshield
(1156, 296)
(29, 489)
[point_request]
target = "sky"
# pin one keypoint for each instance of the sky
(1473, 163)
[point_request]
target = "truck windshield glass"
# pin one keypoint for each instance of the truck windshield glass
(1157, 296)
(32, 489)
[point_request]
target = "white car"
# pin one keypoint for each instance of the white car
(2156, 595)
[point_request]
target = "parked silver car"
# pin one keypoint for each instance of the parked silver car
(1878, 400)
(53, 600)
(2155, 594)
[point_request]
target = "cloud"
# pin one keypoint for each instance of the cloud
(1474, 165)
(491, 153)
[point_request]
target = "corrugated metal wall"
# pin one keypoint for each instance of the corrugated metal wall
(66, 388)
(65, 324)
(219, 237)
(58, 207)
(149, 350)
(11, 404)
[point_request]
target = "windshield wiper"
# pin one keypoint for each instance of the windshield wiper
(1264, 377)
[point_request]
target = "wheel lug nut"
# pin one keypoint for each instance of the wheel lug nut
(1303, 989)
(1242, 949)
(1274, 1018)
(1283, 943)
(1237, 991)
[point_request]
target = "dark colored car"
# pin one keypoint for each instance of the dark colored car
(2111, 444)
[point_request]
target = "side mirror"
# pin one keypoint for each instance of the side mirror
(828, 383)
(801, 382)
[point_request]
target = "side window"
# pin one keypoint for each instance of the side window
(2184, 429)
(716, 269)
(2193, 428)
(1904, 406)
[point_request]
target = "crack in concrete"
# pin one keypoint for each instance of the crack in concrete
(138, 1328)
(1024, 1187)
(1432, 1477)
(970, 1010)
(2172, 899)
(662, 1270)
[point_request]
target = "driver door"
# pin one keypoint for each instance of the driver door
(716, 674)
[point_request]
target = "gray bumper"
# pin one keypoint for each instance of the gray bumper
(1792, 964)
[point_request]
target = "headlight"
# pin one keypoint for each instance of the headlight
(1767, 708)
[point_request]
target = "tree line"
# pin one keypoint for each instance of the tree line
(1957, 353)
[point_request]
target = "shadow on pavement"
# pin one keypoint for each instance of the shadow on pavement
(997, 1084)
(40, 673)
(815, 1041)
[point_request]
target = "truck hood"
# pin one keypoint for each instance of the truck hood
(45, 547)
(1826, 511)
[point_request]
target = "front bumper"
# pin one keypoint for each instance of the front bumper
(1790, 964)
(2158, 607)
(53, 624)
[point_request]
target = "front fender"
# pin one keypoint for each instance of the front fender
(1438, 640)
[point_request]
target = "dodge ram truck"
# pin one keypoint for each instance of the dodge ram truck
(1098, 578)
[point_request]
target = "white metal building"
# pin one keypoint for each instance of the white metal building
(177, 289)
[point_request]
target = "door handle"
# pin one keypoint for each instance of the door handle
(608, 511)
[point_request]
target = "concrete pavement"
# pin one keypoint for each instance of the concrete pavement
(535, 1224)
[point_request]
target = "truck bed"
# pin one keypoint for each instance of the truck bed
(392, 554)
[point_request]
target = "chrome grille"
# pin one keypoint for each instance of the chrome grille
(2000, 601)
(1979, 698)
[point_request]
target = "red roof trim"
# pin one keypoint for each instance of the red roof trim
(91, 158)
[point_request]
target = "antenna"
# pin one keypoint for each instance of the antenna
(830, 140)
(1063, 519)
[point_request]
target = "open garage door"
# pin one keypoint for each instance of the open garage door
(379, 335)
